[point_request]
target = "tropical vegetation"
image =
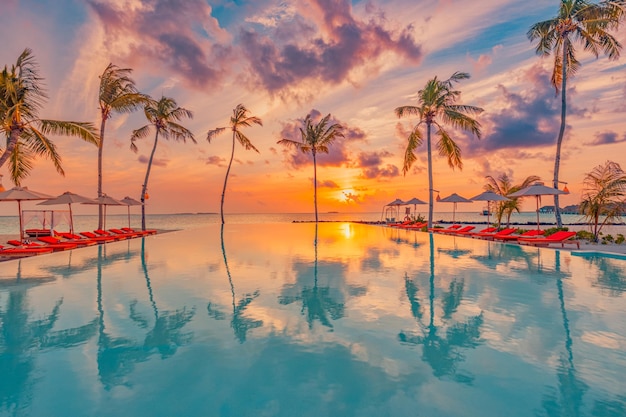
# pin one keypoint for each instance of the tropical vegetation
(22, 95)
(315, 137)
(604, 196)
(238, 120)
(164, 115)
(436, 106)
(577, 21)
(117, 94)
(503, 185)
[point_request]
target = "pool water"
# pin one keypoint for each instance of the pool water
(293, 320)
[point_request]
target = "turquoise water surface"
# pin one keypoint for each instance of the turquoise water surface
(282, 319)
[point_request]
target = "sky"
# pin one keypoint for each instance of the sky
(355, 60)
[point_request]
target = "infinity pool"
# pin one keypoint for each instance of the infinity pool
(284, 320)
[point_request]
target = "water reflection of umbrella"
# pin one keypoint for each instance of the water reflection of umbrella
(454, 198)
(489, 196)
(128, 201)
(69, 199)
(415, 201)
(105, 200)
(537, 190)
(20, 194)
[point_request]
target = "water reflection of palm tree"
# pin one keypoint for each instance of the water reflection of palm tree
(317, 302)
(21, 339)
(571, 388)
(239, 322)
(442, 353)
(117, 356)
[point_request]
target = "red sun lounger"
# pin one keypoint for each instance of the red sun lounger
(560, 237)
(493, 236)
(514, 237)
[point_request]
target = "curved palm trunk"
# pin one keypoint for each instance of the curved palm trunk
(559, 141)
(430, 177)
(100, 146)
(315, 184)
(11, 143)
(232, 155)
(144, 188)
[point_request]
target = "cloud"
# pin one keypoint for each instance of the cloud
(373, 166)
(388, 171)
(324, 43)
(525, 119)
(338, 152)
(606, 138)
(177, 35)
(155, 161)
(327, 184)
(215, 160)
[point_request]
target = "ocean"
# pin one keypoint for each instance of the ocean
(182, 221)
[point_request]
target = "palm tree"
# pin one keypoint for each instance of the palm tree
(238, 120)
(504, 186)
(164, 115)
(587, 23)
(315, 137)
(117, 94)
(21, 97)
(604, 194)
(437, 105)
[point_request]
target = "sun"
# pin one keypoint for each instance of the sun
(347, 195)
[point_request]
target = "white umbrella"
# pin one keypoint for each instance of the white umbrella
(395, 203)
(489, 196)
(415, 201)
(129, 201)
(68, 198)
(454, 198)
(537, 190)
(20, 194)
(105, 200)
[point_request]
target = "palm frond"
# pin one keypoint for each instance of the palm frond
(414, 140)
(137, 134)
(448, 148)
(39, 144)
(82, 130)
(213, 133)
(408, 111)
(245, 142)
(21, 163)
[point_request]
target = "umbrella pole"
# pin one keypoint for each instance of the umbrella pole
(71, 220)
(129, 217)
(488, 224)
(537, 212)
(453, 213)
(19, 212)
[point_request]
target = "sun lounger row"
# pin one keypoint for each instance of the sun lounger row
(65, 241)
(531, 237)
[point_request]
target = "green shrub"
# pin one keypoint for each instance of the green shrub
(607, 239)
(585, 235)
(552, 230)
(619, 239)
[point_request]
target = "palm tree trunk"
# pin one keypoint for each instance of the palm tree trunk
(100, 146)
(11, 143)
(559, 141)
(430, 177)
(232, 155)
(144, 188)
(315, 184)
